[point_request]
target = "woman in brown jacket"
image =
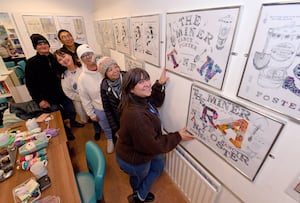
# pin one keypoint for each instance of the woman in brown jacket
(141, 144)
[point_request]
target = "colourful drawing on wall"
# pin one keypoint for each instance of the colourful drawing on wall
(239, 135)
(271, 76)
(198, 43)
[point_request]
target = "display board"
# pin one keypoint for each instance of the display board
(198, 43)
(145, 38)
(272, 74)
(239, 135)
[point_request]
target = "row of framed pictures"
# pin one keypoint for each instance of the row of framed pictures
(198, 46)
(46, 26)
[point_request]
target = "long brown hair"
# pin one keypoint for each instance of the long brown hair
(131, 78)
(60, 52)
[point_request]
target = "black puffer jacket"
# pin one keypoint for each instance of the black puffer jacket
(110, 105)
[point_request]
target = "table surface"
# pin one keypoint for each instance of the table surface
(60, 170)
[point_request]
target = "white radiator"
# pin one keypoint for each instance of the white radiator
(192, 179)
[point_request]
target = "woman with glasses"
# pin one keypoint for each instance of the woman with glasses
(89, 90)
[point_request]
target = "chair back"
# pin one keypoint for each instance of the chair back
(96, 165)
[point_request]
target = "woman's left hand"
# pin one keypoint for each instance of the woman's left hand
(163, 77)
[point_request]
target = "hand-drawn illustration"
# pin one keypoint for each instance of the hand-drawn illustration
(239, 135)
(74, 24)
(198, 43)
(121, 33)
(145, 38)
(43, 25)
(271, 75)
(105, 34)
(131, 63)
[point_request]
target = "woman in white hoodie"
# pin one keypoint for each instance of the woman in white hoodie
(89, 90)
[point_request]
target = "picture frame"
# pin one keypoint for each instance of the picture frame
(271, 76)
(44, 25)
(75, 25)
(145, 38)
(121, 34)
(241, 136)
(198, 43)
(105, 33)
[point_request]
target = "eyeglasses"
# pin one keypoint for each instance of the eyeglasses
(86, 55)
(64, 37)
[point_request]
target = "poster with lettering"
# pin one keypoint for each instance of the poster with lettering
(271, 77)
(198, 43)
(239, 135)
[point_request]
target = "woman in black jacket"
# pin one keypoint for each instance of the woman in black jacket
(111, 91)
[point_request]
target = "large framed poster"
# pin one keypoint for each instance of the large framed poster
(121, 33)
(198, 43)
(145, 38)
(75, 25)
(239, 135)
(271, 77)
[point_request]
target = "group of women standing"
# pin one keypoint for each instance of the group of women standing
(125, 104)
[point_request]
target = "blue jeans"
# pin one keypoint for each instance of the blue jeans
(141, 177)
(103, 122)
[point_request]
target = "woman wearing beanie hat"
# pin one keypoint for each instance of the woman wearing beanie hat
(89, 91)
(111, 91)
(42, 75)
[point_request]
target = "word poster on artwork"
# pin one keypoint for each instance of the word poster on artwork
(198, 43)
(239, 135)
(272, 74)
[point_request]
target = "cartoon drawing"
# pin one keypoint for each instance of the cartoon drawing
(280, 49)
(224, 29)
(150, 47)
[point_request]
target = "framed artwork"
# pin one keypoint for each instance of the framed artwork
(43, 25)
(271, 76)
(145, 38)
(105, 34)
(121, 33)
(239, 135)
(198, 43)
(74, 24)
(10, 49)
(131, 63)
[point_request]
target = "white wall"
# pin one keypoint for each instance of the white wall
(276, 173)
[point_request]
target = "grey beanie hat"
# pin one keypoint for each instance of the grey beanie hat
(104, 63)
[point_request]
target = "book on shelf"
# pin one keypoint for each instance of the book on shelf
(3, 88)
